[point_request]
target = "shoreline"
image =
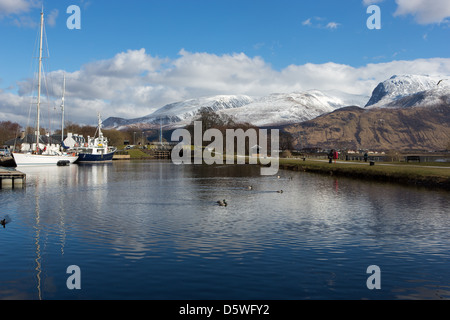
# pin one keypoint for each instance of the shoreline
(428, 176)
(423, 176)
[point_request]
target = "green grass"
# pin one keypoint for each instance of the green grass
(422, 164)
(398, 172)
(137, 154)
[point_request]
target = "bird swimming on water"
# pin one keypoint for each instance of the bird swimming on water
(6, 219)
(280, 191)
(222, 203)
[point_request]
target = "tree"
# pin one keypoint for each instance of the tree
(393, 155)
(286, 141)
(115, 137)
(70, 127)
(211, 119)
(8, 130)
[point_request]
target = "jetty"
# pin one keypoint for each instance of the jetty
(12, 179)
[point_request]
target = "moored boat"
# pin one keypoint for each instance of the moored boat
(96, 150)
(31, 159)
(37, 153)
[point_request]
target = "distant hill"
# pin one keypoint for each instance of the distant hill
(420, 128)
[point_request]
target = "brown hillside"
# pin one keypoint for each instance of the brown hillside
(377, 129)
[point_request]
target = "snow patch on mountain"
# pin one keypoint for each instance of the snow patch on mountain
(408, 91)
(187, 110)
(181, 113)
(275, 109)
(279, 109)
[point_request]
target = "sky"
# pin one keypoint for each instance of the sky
(130, 58)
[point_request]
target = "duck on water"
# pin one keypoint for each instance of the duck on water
(222, 203)
(5, 221)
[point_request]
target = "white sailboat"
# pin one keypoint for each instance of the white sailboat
(41, 154)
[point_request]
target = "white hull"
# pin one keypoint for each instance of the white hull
(27, 159)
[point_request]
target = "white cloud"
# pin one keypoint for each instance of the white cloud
(319, 23)
(16, 12)
(307, 22)
(51, 17)
(8, 7)
(332, 25)
(134, 83)
(425, 11)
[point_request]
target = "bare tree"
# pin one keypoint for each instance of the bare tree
(8, 130)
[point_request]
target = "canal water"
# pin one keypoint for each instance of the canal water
(153, 230)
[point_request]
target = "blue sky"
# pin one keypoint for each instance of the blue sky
(167, 50)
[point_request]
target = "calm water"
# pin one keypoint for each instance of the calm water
(152, 230)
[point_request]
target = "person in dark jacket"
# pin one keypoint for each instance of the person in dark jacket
(330, 156)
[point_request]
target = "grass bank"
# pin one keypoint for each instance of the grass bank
(422, 175)
(137, 154)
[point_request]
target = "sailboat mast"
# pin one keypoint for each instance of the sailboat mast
(62, 107)
(100, 125)
(39, 83)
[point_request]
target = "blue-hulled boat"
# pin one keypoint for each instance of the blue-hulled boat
(96, 150)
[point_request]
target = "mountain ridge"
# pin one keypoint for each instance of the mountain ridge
(355, 128)
(393, 92)
(404, 111)
(283, 108)
(399, 91)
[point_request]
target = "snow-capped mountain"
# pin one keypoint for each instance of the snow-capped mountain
(280, 109)
(187, 110)
(409, 91)
(275, 109)
(427, 98)
(183, 112)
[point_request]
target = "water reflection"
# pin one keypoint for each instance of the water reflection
(158, 229)
(38, 245)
